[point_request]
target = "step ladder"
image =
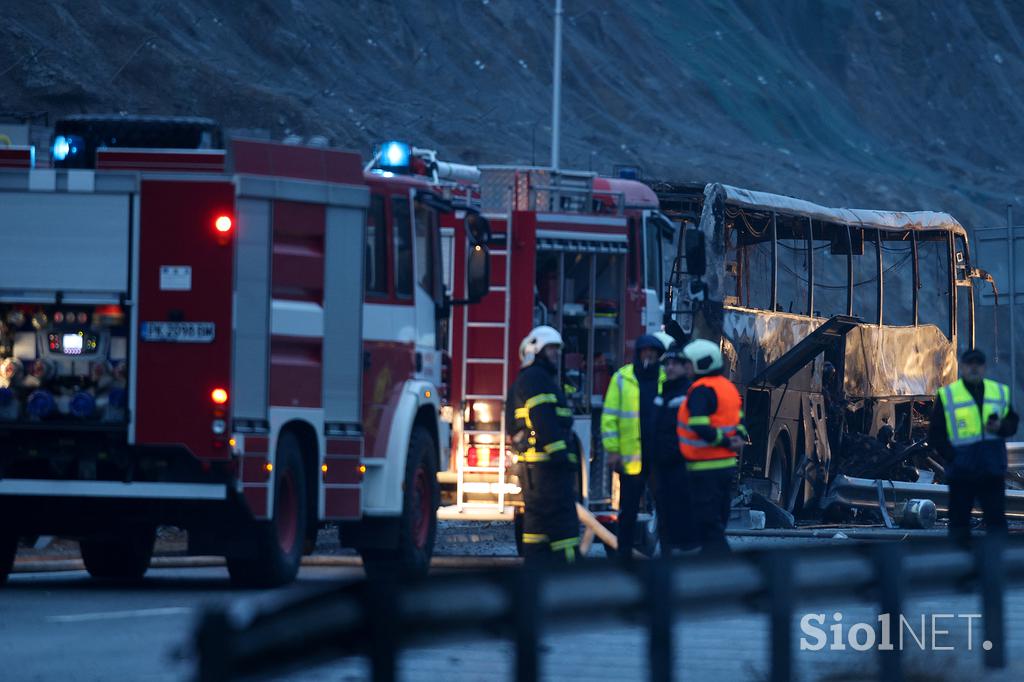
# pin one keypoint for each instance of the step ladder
(496, 466)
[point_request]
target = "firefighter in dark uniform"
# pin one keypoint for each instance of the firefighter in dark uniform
(672, 485)
(970, 422)
(711, 435)
(540, 429)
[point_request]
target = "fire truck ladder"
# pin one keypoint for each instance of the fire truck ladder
(498, 468)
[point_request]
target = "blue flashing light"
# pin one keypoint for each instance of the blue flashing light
(61, 148)
(40, 404)
(82, 404)
(395, 154)
(65, 146)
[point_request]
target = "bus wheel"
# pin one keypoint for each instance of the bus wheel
(123, 557)
(277, 544)
(417, 528)
(8, 550)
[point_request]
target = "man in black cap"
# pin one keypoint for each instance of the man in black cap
(970, 422)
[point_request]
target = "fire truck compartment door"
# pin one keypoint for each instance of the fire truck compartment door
(53, 242)
(343, 314)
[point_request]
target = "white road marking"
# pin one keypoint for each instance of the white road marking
(115, 615)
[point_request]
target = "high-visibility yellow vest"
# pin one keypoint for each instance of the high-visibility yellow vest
(965, 423)
(620, 418)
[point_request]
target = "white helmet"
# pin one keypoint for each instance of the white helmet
(536, 340)
(705, 355)
(665, 338)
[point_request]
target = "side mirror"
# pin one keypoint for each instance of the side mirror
(696, 259)
(478, 228)
(478, 273)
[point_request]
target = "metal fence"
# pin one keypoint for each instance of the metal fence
(377, 619)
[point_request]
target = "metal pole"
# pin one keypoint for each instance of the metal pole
(556, 88)
(1013, 297)
(810, 268)
(888, 561)
(774, 304)
(988, 561)
(779, 581)
(659, 603)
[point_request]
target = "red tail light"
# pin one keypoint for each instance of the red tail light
(219, 396)
(222, 224)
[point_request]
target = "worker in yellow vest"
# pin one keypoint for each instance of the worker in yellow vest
(971, 420)
(711, 435)
(629, 431)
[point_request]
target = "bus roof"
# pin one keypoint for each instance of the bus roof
(897, 221)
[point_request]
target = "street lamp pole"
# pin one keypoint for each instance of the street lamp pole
(556, 87)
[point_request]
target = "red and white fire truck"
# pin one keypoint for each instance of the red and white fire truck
(585, 254)
(243, 343)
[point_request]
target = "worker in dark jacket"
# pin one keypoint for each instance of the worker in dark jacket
(711, 435)
(671, 491)
(540, 430)
(970, 422)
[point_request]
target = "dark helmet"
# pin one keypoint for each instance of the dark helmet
(649, 341)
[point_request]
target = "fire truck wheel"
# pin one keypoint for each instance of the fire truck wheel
(8, 548)
(418, 523)
(275, 558)
(123, 557)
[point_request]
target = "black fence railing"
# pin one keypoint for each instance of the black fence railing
(376, 619)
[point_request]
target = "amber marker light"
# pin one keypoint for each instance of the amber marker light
(219, 396)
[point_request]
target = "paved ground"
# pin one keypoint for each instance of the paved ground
(62, 626)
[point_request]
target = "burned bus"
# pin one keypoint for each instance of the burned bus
(838, 325)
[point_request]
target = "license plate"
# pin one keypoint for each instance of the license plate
(179, 332)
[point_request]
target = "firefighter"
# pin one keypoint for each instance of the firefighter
(540, 429)
(971, 420)
(671, 484)
(711, 435)
(628, 431)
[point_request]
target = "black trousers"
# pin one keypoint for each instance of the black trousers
(631, 493)
(551, 529)
(989, 490)
(671, 487)
(711, 499)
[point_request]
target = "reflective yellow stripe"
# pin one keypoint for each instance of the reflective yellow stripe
(700, 421)
(532, 455)
(534, 538)
(554, 447)
(563, 411)
(568, 545)
(707, 464)
(522, 413)
(540, 399)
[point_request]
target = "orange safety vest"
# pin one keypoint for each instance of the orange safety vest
(700, 454)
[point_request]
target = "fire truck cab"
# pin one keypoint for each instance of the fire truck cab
(243, 342)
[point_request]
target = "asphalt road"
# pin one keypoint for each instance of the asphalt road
(64, 626)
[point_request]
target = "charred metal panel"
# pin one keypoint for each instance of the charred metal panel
(898, 361)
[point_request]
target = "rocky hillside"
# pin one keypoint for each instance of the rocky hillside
(889, 104)
(875, 104)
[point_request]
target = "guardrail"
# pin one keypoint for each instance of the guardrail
(262, 637)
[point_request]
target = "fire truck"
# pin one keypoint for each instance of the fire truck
(244, 342)
(585, 254)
